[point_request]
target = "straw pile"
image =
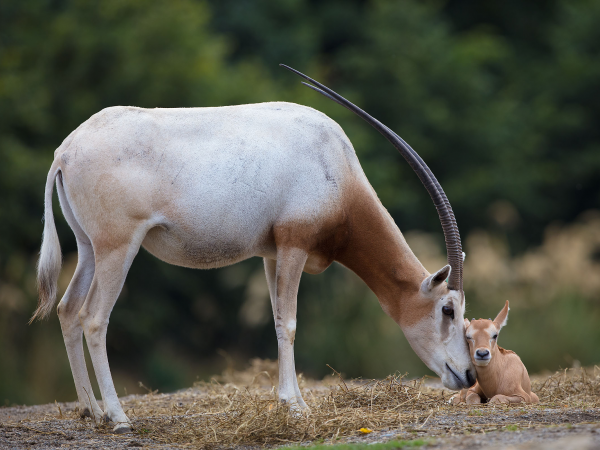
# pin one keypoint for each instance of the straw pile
(242, 409)
(227, 414)
(576, 387)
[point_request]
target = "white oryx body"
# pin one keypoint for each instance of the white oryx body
(210, 183)
(208, 187)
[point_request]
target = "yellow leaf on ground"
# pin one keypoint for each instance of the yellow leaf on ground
(365, 431)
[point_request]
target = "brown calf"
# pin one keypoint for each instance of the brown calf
(501, 375)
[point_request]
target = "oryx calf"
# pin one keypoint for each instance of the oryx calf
(209, 187)
(501, 375)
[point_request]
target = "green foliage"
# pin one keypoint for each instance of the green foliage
(501, 101)
(499, 113)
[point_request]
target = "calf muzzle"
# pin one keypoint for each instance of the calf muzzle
(482, 357)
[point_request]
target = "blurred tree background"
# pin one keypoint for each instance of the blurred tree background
(501, 99)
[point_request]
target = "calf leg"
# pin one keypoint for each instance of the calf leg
(472, 398)
(519, 396)
(111, 269)
(507, 399)
(468, 396)
(284, 278)
(459, 398)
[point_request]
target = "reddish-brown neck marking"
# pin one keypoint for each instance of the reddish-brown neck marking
(378, 253)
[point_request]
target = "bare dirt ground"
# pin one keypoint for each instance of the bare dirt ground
(240, 410)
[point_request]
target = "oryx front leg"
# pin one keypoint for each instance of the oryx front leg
(289, 266)
(271, 272)
(111, 269)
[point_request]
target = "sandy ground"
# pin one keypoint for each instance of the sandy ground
(552, 425)
(41, 427)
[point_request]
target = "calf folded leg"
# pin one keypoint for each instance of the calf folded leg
(518, 395)
(506, 399)
(471, 396)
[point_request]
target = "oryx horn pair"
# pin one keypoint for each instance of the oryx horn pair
(451, 235)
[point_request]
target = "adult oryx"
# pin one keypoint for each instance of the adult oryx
(209, 187)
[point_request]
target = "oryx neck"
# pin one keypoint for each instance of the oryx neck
(378, 253)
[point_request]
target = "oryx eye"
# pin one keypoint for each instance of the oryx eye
(495, 337)
(448, 310)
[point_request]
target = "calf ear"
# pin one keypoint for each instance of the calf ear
(502, 317)
(467, 323)
(433, 281)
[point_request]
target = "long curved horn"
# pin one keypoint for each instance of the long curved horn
(449, 226)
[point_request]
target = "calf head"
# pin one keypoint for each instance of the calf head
(482, 337)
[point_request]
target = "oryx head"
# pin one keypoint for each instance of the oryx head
(435, 330)
(433, 319)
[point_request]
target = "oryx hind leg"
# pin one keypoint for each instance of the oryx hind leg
(69, 307)
(283, 278)
(112, 264)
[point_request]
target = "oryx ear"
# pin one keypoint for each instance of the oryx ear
(502, 317)
(433, 281)
(467, 323)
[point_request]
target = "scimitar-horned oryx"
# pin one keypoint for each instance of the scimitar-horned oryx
(209, 187)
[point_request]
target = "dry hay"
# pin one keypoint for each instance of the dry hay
(214, 413)
(575, 387)
(242, 409)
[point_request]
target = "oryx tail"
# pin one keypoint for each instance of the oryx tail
(50, 261)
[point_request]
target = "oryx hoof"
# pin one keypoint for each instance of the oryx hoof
(298, 409)
(122, 428)
(85, 412)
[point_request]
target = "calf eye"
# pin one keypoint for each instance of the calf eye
(448, 310)
(495, 337)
